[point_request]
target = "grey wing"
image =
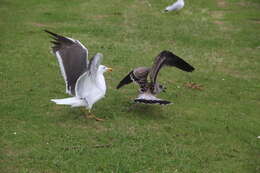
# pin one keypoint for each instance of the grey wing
(72, 58)
(167, 58)
(94, 64)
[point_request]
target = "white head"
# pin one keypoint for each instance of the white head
(102, 69)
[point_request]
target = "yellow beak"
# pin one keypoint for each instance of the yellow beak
(109, 69)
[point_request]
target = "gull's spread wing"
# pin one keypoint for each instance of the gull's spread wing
(167, 58)
(72, 58)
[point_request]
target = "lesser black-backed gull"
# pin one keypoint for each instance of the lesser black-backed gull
(84, 79)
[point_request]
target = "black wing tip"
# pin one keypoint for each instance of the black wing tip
(49, 32)
(126, 80)
(52, 34)
(46, 30)
(55, 36)
(185, 66)
(118, 86)
(191, 69)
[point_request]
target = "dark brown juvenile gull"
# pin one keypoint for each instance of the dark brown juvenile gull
(148, 89)
(84, 79)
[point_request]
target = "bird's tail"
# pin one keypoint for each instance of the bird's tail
(72, 101)
(148, 98)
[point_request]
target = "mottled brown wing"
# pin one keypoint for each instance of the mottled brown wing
(126, 80)
(138, 75)
(167, 58)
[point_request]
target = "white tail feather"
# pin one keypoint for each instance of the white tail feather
(73, 101)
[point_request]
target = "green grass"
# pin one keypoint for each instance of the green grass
(213, 130)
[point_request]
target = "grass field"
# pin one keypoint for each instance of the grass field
(213, 130)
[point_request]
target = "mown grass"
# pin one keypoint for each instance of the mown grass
(212, 130)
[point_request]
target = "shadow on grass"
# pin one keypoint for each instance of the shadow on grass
(152, 112)
(131, 110)
(68, 113)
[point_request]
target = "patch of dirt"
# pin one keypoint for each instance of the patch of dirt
(193, 86)
(39, 24)
(238, 74)
(218, 22)
(244, 4)
(223, 26)
(102, 146)
(101, 16)
(217, 14)
(107, 15)
(255, 21)
(146, 2)
(222, 3)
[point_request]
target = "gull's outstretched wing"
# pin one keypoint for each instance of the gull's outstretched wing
(87, 81)
(94, 64)
(138, 75)
(167, 58)
(72, 58)
(126, 80)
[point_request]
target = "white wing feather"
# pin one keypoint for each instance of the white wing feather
(63, 71)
